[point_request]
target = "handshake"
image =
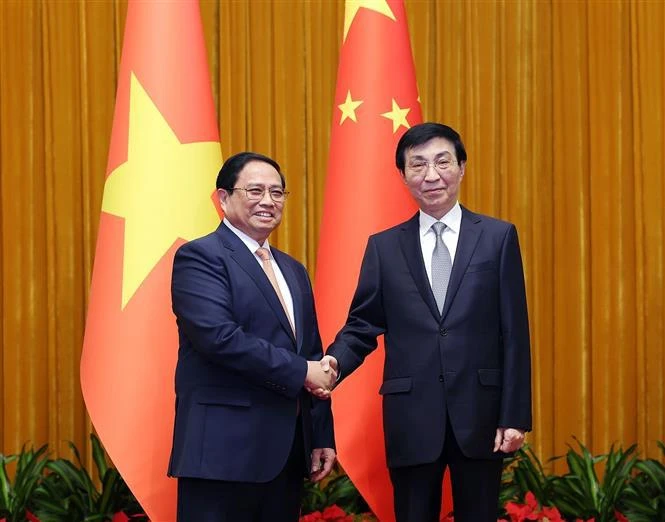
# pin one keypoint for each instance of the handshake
(321, 376)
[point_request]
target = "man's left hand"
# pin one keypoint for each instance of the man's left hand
(508, 439)
(322, 463)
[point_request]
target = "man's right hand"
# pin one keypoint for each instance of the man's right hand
(321, 377)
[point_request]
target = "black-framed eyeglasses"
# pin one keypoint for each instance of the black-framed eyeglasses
(441, 165)
(256, 193)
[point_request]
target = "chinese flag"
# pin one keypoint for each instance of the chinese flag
(376, 101)
(163, 159)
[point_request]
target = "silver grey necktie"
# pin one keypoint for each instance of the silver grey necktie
(441, 266)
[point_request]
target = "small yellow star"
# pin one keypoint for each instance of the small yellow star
(352, 6)
(162, 190)
(398, 116)
(348, 108)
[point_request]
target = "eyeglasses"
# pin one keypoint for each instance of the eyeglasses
(257, 193)
(441, 165)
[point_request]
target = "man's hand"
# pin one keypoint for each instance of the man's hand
(322, 463)
(329, 362)
(329, 366)
(321, 377)
(508, 439)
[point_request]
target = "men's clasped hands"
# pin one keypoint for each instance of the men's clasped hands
(322, 376)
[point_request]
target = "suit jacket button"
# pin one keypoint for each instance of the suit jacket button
(443, 332)
(440, 378)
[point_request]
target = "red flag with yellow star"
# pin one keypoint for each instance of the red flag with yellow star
(376, 102)
(163, 160)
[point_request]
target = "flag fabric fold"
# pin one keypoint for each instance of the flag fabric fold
(376, 101)
(163, 158)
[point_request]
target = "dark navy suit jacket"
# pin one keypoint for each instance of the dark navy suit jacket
(240, 371)
(470, 363)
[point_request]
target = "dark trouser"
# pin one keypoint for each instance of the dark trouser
(202, 500)
(475, 484)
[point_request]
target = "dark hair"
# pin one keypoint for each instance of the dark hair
(421, 134)
(228, 174)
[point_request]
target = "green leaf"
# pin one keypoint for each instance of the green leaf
(109, 487)
(5, 486)
(99, 456)
(64, 470)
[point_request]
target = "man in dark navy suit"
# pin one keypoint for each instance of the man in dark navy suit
(446, 289)
(246, 430)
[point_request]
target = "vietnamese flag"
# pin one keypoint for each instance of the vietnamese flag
(163, 160)
(376, 101)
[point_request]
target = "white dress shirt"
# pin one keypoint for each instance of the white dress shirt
(253, 246)
(453, 222)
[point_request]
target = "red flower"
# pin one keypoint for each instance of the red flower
(312, 517)
(620, 516)
(333, 513)
(551, 514)
(30, 517)
(520, 512)
(330, 514)
(530, 510)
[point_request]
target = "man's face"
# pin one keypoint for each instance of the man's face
(259, 218)
(433, 176)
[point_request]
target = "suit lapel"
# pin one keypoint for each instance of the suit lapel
(410, 244)
(470, 232)
(246, 260)
(296, 295)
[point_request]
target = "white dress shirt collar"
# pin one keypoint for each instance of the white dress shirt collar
(452, 219)
(252, 244)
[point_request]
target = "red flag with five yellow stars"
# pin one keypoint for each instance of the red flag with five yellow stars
(163, 160)
(376, 102)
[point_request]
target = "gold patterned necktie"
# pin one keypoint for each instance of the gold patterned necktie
(264, 255)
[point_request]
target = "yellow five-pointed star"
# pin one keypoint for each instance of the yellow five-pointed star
(348, 108)
(162, 190)
(398, 116)
(352, 6)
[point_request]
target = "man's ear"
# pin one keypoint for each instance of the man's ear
(402, 175)
(223, 195)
